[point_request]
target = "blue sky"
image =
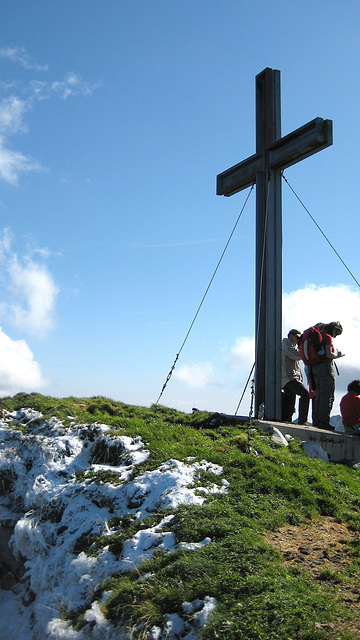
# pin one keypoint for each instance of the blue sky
(115, 118)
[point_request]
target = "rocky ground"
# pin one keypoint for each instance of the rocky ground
(322, 551)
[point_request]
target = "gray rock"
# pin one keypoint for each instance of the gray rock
(277, 436)
(314, 450)
(355, 465)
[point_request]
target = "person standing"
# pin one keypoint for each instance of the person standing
(350, 408)
(291, 381)
(324, 377)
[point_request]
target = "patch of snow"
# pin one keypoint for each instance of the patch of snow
(194, 545)
(200, 610)
(195, 616)
(51, 507)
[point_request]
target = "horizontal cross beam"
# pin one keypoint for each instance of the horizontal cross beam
(301, 144)
(239, 177)
(283, 153)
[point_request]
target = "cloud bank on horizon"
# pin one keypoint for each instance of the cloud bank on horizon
(18, 369)
(29, 296)
(301, 309)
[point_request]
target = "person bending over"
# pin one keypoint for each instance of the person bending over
(324, 377)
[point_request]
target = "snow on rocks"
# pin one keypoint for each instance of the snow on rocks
(177, 626)
(55, 491)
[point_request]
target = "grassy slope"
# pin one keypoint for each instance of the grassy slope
(259, 596)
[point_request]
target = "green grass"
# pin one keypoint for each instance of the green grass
(258, 596)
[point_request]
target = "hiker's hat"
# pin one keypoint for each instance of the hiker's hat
(295, 332)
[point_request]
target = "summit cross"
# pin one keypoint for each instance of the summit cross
(273, 155)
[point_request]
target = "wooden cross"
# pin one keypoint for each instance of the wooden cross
(273, 154)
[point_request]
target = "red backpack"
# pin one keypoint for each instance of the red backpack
(311, 346)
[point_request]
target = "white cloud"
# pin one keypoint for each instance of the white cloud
(19, 55)
(242, 354)
(18, 369)
(14, 108)
(12, 111)
(12, 163)
(305, 307)
(198, 374)
(31, 288)
(72, 85)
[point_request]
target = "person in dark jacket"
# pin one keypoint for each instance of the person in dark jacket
(292, 380)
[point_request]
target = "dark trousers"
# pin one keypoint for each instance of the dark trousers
(291, 390)
(324, 376)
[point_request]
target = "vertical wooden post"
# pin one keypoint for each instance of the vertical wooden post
(268, 310)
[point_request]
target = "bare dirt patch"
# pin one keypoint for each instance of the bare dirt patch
(321, 551)
(81, 405)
